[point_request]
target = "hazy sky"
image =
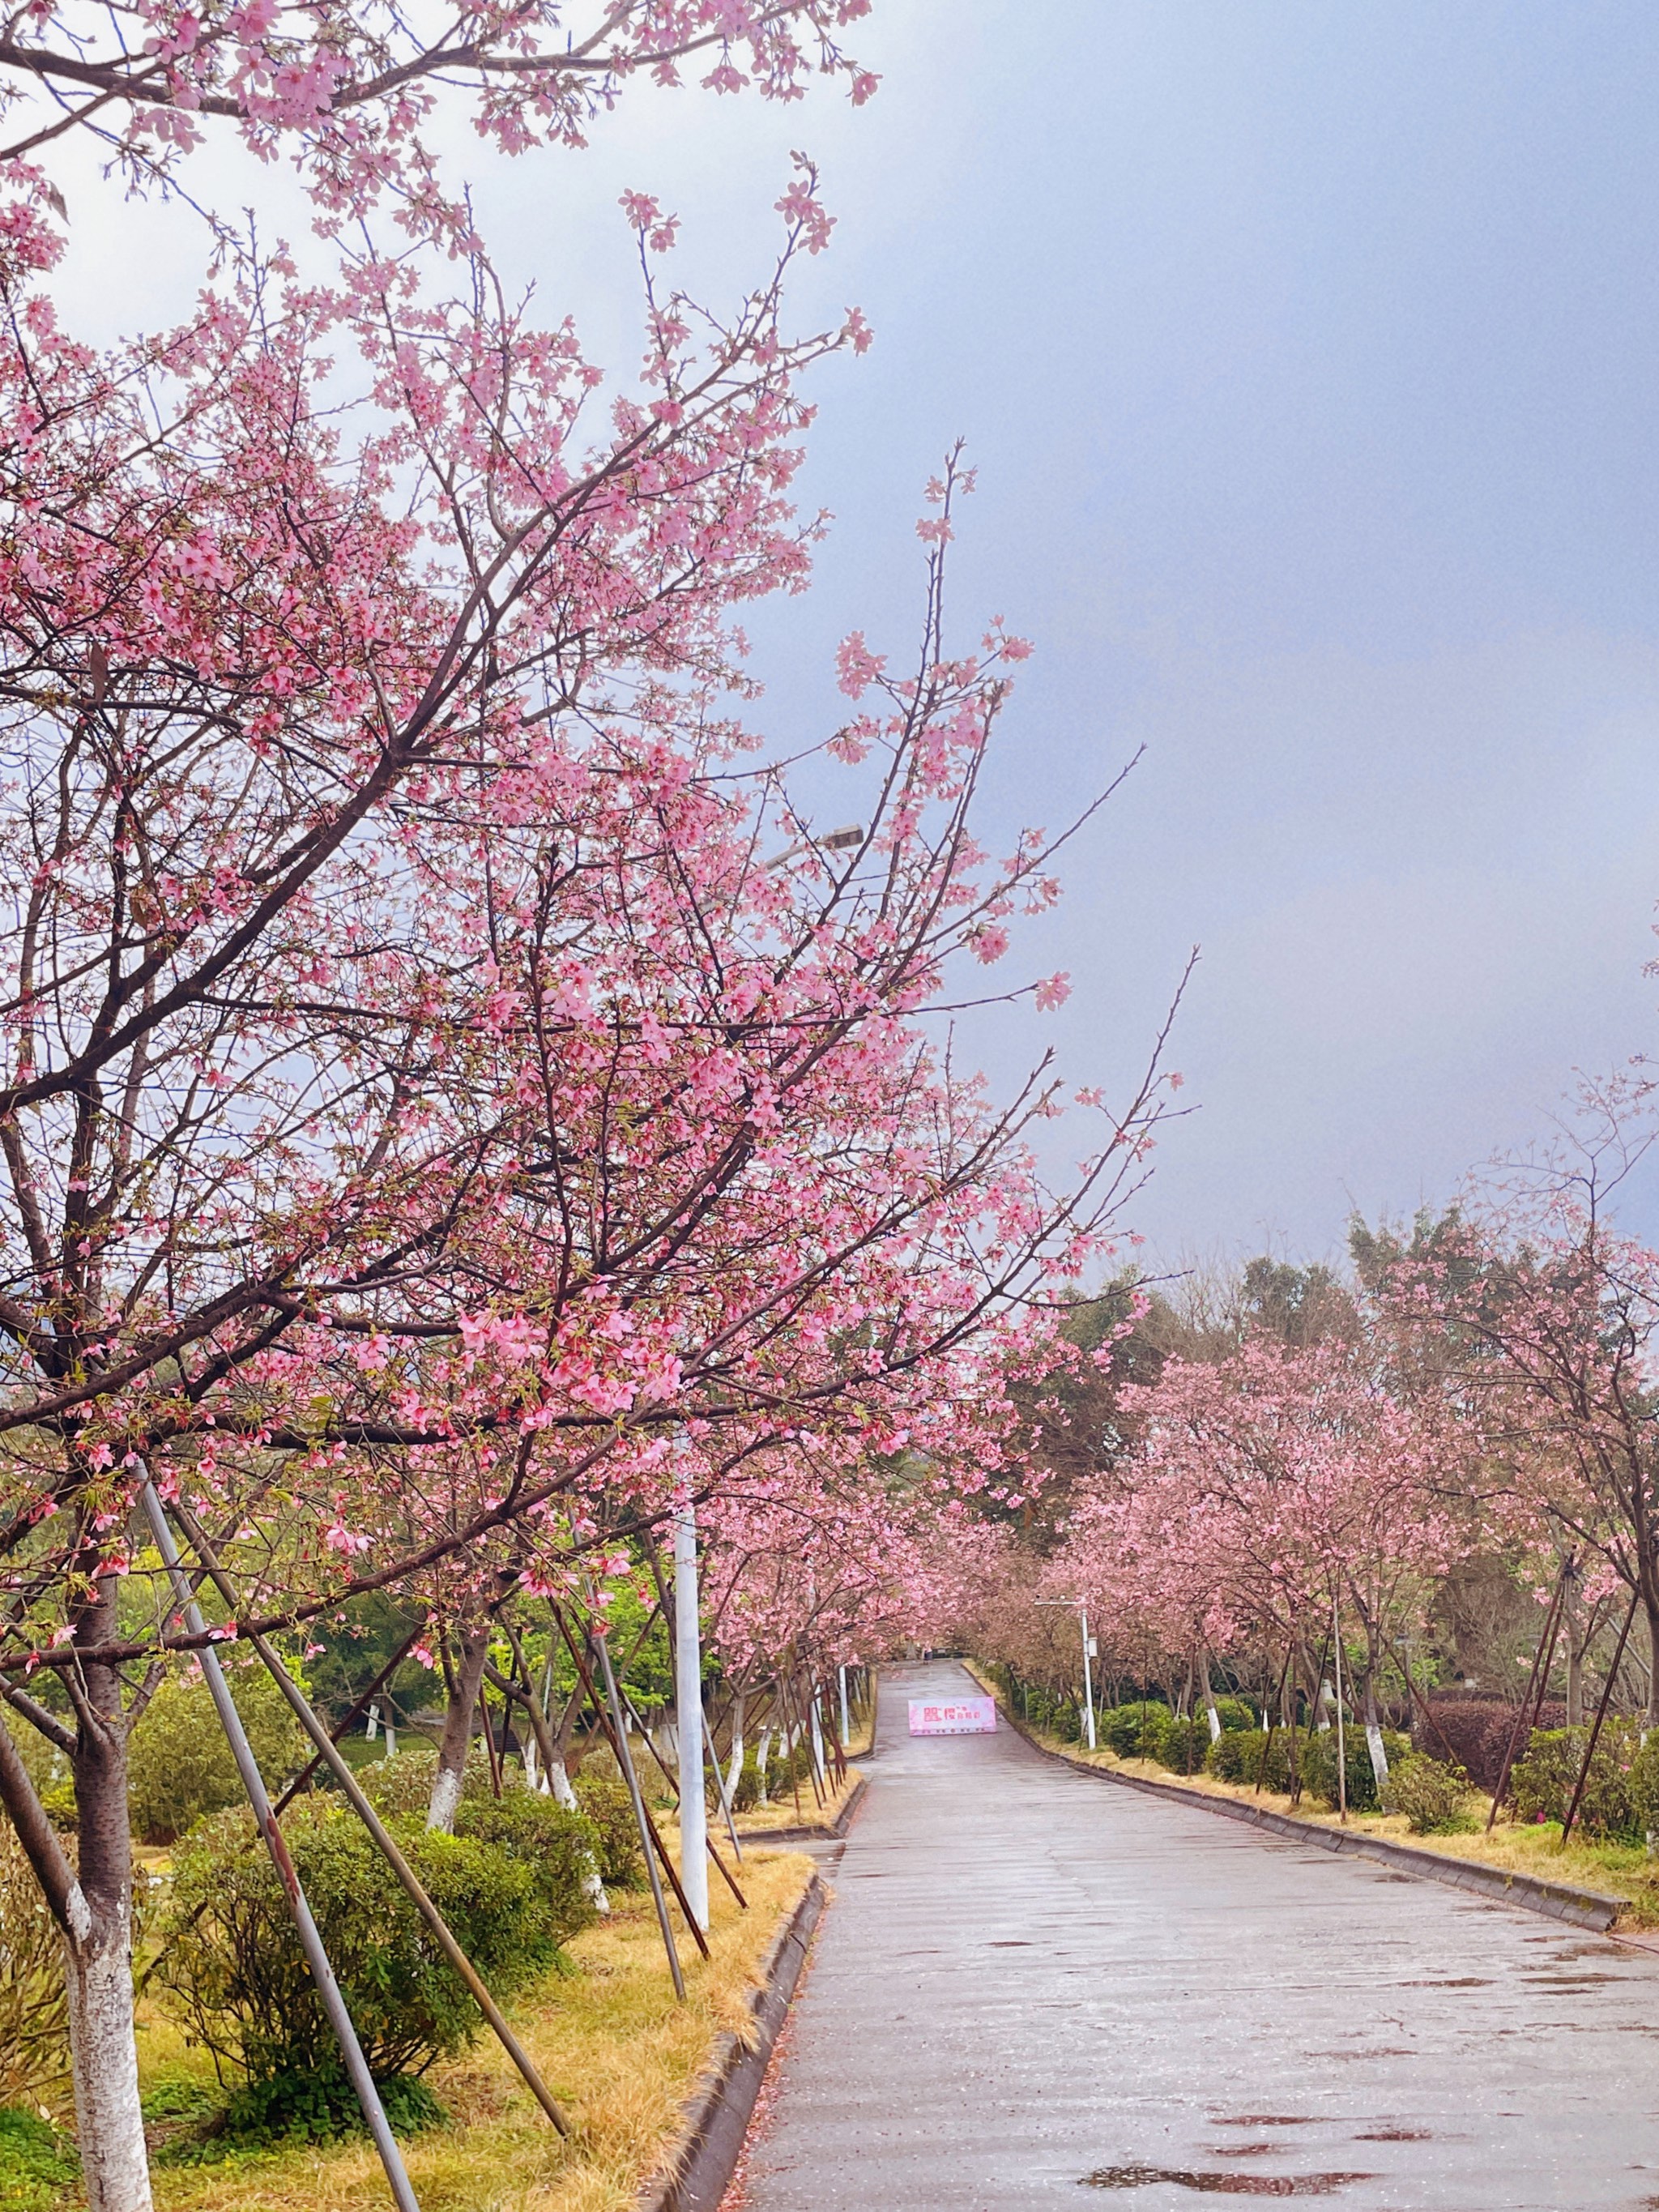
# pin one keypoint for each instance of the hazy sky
(1308, 357)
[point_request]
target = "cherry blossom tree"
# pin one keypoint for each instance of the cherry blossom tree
(1539, 1321)
(1267, 1488)
(438, 1140)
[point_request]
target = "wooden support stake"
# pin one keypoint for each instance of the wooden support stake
(340, 1726)
(311, 1940)
(1541, 1672)
(617, 1731)
(1601, 1715)
(1273, 1722)
(305, 1714)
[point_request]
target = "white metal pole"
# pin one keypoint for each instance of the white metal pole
(688, 1698)
(1088, 1679)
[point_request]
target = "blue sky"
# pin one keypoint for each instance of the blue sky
(1307, 354)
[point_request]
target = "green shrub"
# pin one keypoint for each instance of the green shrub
(1135, 1731)
(1644, 1786)
(233, 1972)
(556, 1844)
(1237, 1755)
(609, 1811)
(1182, 1744)
(1433, 1797)
(1319, 1765)
(178, 1764)
(1542, 1784)
(402, 1785)
(1235, 1713)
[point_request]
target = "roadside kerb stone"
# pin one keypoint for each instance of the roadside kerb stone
(1561, 1900)
(693, 2177)
(812, 1831)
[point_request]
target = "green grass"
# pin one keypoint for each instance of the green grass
(37, 2166)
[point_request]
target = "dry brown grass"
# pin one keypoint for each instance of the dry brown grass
(613, 2046)
(1621, 1870)
(780, 1811)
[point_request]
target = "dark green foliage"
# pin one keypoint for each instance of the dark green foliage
(353, 1650)
(1235, 1713)
(1319, 1765)
(1182, 1744)
(1135, 1731)
(315, 2107)
(555, 1845)
(179, 1762)
(233, 1972)
(1542, 1784)
(609, 1811)
(1238, 1754)
(1644, 1786)
(1433, 1797)
(37, 2164)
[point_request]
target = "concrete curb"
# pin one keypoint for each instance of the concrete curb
(693, 2176)
(809, 1833)
(1560, 1900)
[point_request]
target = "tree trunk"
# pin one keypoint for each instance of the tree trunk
(734, 1770)
(1209, 1697)
(97, 1934)
(457, 1726)
(762, 1756)
(1577, 1640)
(1651, 1606)
(1374, 1743)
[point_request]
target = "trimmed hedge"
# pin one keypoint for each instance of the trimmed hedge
(1474, 1733)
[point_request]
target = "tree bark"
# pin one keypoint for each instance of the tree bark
(457, 1726)
(96, 1927)
(1209, 1697)
(734, 1771)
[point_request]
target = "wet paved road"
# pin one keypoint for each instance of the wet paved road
(1028, 1977)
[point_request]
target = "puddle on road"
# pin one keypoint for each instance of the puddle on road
(1223, 2185)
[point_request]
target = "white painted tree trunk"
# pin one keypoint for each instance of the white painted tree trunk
(817, 1742)
(762, 1760)
(558, 1782)
(458, 1728)
(1209, 1701)
(1379, 1756)
(98, 1971)
(734, 1767)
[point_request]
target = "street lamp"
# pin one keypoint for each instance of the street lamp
(1080, 1606)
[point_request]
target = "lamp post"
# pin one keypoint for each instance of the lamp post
(1080, 1606)
(688, 1698)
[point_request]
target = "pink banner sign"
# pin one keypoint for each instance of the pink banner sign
(953, 1716)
